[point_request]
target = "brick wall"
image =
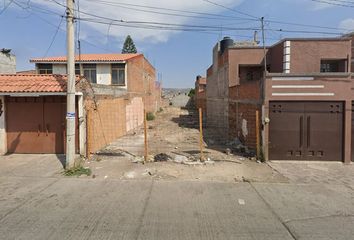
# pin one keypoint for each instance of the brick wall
(142, 82)
(242, 118)
(243, 103)
(106, 122)
(246, 91)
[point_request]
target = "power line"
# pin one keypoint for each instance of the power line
(334, 3)
(305, 25)
(254, 18)
(39, 9)
(6, 7)
(54, 36)
(119, 4)
(231, 9)
(164, 26)
(31, 10)
(143, 8)
(197, 28)
(306, 32)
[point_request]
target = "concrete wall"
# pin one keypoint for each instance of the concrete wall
(7, 63)
(134, 113)
(243, 56)
(306, 55)
(3, 137)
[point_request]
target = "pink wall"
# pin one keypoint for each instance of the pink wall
(134, 113)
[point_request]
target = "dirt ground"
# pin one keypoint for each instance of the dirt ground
(175, 133)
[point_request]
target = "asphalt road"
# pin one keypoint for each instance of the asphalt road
(74, 208)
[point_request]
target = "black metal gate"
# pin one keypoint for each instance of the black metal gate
(306, 131)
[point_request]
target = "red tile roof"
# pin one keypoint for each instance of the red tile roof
(10, 83)
(27, 72)
(110, 57)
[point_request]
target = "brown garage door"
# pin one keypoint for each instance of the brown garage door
(35, 124)
(306, 131)
(353, 131)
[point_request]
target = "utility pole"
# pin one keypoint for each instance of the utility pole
(264, 46)
(70, 102)
(262, 82)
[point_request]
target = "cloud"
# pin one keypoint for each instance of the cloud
(110, 9)
(310, 5)
(347, 24)
(317, 6)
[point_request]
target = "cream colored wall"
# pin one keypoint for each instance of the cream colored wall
(3, 137)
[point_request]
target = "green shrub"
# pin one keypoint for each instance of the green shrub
(150, 116)
(191, 93)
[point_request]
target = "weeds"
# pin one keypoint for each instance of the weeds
(77, 171)
(150, 116)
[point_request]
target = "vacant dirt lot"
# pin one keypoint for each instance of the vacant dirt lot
(175, 133)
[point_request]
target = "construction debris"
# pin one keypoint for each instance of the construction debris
(130, 175)
(162, 157)
(228, 151)
(180, 159)
(138, 160)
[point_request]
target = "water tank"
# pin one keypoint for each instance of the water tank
(225, 44)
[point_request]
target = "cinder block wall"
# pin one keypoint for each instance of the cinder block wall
(106, 121)
(7, 63)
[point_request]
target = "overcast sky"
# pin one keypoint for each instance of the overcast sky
(28, 28)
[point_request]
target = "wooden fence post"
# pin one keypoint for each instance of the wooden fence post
(201, 134)
(145, 139)
(257, 135)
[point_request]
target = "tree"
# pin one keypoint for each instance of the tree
(129, 46)
(191, 92)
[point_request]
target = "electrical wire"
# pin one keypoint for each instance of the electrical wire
(249, 19)
(54, 36)
(6, 7)
(334, 3)
(231, 9)
(32, 11)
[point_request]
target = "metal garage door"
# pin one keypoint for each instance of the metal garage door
(353, 131)
(306, 131)
(35, 124)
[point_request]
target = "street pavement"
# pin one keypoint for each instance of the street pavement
(50, 206)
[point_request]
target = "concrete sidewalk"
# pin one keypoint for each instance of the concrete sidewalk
(38, 202)
(315, 172)
(75, 208)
